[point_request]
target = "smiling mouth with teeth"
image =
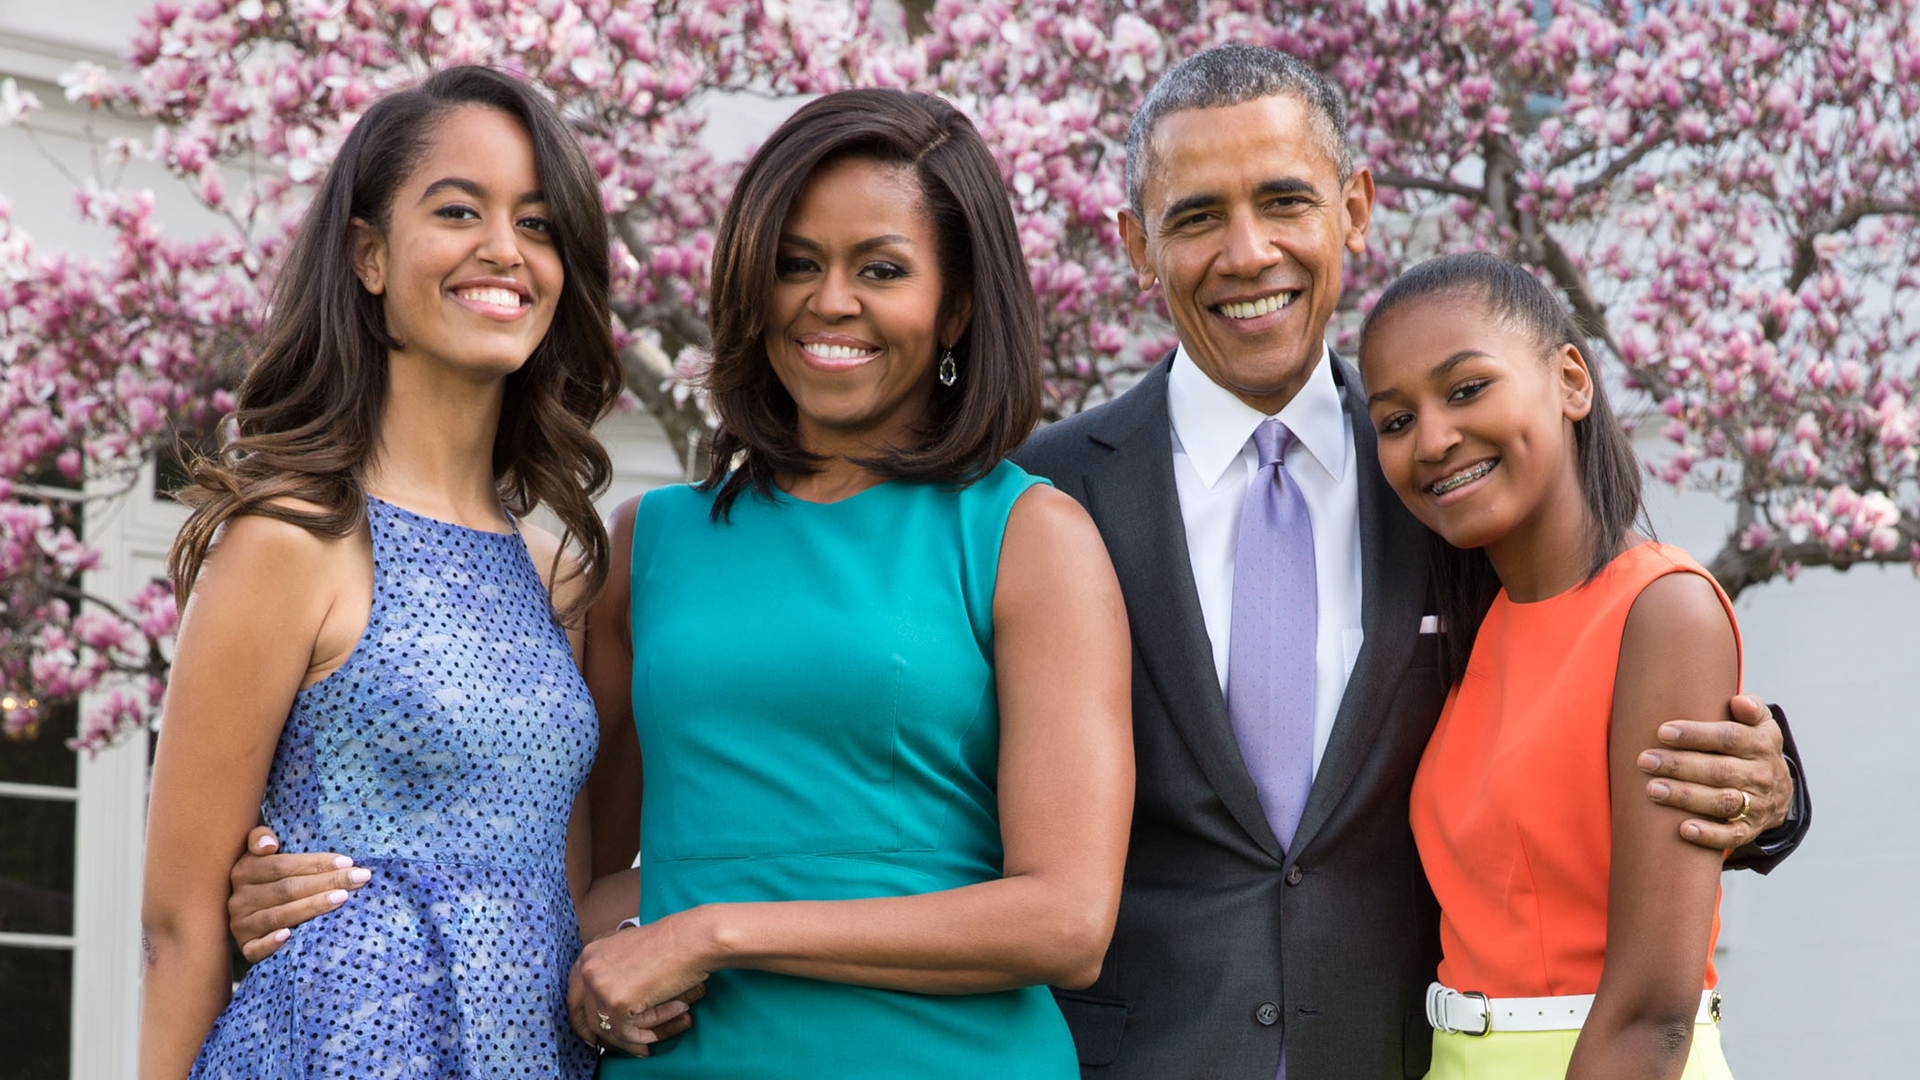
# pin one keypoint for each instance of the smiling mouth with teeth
(839, 352)
(496, 297)
(1466, 476)
(1253, 309)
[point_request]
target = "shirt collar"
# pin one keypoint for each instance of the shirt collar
(1213, 425)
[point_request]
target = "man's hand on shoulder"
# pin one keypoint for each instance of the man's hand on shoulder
(1731, 773)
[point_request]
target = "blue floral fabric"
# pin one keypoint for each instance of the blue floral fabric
(444, 755)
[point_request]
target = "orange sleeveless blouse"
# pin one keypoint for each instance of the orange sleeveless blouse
(1511, 802)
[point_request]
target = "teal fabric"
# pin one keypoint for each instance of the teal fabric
(813, 688)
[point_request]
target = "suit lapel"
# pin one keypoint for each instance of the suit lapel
(1132, 497)
(1393, 585)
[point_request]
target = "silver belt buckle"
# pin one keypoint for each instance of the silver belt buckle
(1486, 1014)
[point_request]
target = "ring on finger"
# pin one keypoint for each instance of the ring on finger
(606, 1022)
(1746, 804)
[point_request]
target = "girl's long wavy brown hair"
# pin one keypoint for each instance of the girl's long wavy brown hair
(309, 408)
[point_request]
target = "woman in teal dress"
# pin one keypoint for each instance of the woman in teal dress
(877, 675)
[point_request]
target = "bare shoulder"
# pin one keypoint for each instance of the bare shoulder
(1045, 516)
(559, 567)
(1678, 658)
(543, 545)
(273, 543)
(1052, 559)
(1675, 610)
(620, 522)
(262, 567)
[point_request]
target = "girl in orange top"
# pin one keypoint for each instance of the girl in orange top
(1577, 926)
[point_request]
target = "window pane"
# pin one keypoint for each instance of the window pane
(43, 758)
(36, 987)
(36, 866)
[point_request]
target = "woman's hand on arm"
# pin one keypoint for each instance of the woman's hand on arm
(254, 628)
(269, 894)
(1678, 657)
(1063, 671)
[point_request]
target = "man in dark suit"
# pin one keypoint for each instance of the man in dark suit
(1275, 917)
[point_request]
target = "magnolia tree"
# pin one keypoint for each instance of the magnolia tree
(1725, 192)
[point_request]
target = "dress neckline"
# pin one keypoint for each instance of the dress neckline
(1637, 551)
(417, 515)
(782, 496)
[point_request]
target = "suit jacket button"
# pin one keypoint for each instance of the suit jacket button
(1294, 875)
(1268, 1013)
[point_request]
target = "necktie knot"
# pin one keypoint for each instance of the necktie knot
(1271, 439)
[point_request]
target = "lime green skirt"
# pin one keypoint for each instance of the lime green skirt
(1540, 1055)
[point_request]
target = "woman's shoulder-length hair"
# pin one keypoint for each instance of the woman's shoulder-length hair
(972, 426)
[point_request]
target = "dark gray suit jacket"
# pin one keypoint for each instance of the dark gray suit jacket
(1225, 941)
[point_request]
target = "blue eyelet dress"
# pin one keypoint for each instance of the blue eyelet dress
(445, 756)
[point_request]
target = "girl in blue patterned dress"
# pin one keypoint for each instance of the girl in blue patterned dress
(373, 648)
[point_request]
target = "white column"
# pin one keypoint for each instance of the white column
(133, 534)
(106, 911)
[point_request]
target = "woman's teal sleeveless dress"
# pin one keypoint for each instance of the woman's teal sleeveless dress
(813, 687)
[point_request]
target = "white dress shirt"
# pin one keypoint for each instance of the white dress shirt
(1214, 459)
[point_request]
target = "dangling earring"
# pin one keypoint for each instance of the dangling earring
(949, 374)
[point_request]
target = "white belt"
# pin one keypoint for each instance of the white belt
(1474, 1013)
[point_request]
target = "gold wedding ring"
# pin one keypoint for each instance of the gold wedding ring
(1746, 804)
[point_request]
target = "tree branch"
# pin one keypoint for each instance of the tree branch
(1805, 260)
(1588, 312)
(73, 495)
(1538, 244)
(679, 326)
(1655, 138)
(1406, 182)
(1736, 570)
(650, 376)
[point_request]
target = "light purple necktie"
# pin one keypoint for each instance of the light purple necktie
(1271, 650)
(1275, 631)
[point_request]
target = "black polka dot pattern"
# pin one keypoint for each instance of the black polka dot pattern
(444, 755)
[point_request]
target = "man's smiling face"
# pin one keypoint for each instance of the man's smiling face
(1244, 222)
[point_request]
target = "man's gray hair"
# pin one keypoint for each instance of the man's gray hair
(1232, 75)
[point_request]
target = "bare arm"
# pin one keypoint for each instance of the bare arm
(250, 636)
(614, 788)
(1677, 658)
(1066, 794)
